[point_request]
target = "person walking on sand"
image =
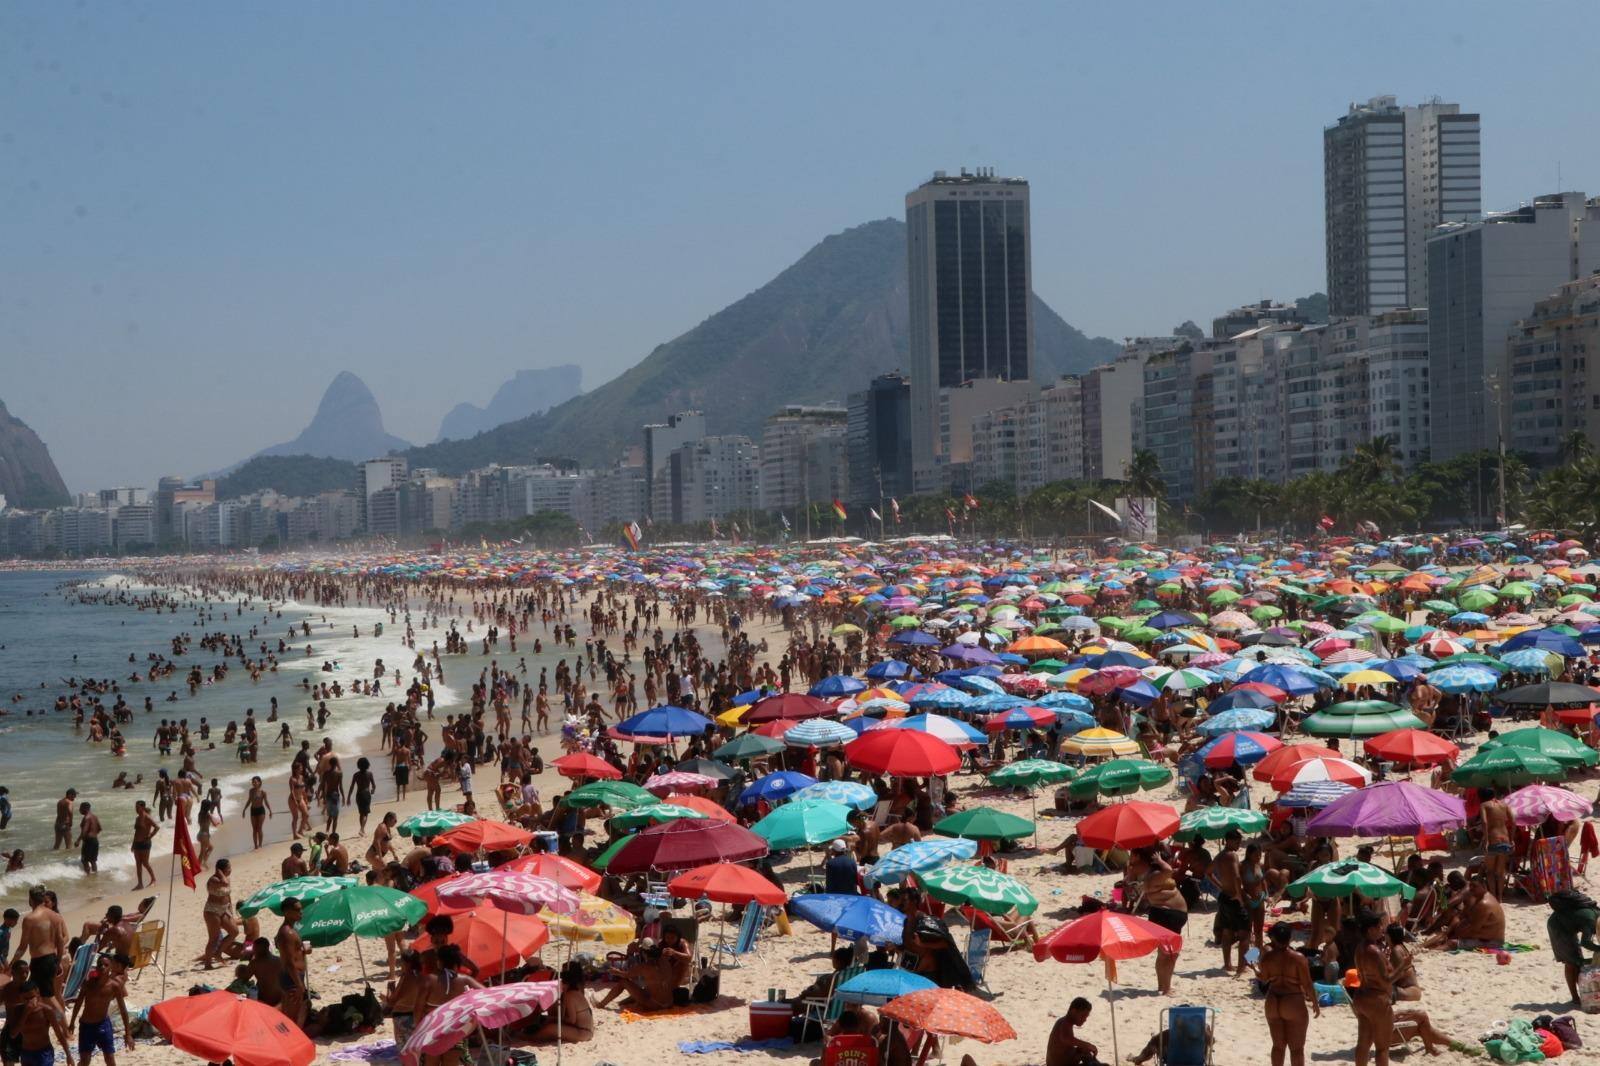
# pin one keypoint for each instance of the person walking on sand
(260, 809)
(144, 832)
(221, 927)
(1372, 999)
(107, 984)
(43, 935)
(1497, 824)
(1232, 923)
(1287, 977)
(38, 1017)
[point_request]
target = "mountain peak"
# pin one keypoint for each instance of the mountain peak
(347, 425)
(28, 476)
(529, 392)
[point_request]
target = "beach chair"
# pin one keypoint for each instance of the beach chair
(147, 947)
(1189, 1032)
(825, 1011)
(749, 936)
(82, 959)
(880, 813)
(689, 929)
(977, 957)
(999, 940)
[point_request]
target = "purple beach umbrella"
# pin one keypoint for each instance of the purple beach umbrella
(1389, 808)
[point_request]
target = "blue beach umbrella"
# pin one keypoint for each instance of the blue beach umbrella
(880, 986)
(1464, 678)
(850, 917)
(1240, 718)
(1245, 699)
(929, 853)
(891, 670)
(775, 786)
(1247, 751)
(667, 721)
(849, 793)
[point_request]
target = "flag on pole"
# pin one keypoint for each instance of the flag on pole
(183, 848)
(876, 517)
(633, 533)
(1326, 523)
(785, 520)
(970, 502)
(715, 532)
(838, 509)
(894, 506)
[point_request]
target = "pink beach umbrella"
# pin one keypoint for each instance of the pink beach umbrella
(1535, 803)
(678, 781)
(451, 1023)
(513, 892)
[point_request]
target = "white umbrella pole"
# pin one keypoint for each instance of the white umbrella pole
(362, 961)
(1116, 1054)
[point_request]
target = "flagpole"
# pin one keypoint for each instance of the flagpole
(166, 936)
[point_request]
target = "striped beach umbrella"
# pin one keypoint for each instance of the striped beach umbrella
(653, 813)
(849, 793)
(1346, 877)
(1214, 823)
(431, 823)
(988, 890)
(304, 889)
(1534, 803)
(918, 857)
(1313, 794)
(818, 733)
(1242, 747)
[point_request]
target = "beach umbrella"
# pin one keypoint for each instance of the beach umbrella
(1248, 699)
(952, 731)
(798, 825)
(775, 786)
(678, 781)
(582, 764)
(618, 795)
(512, 891)
(360, 910)
(836, 686)
(1098, 743)
(1110, 936)
(1128, 825)
(726, 882)
(902, 753)
(818, 733)
(1317, 794)
(1020, 718)
(495, 940)
(1214, 823)
(304, 889)
(219, 1026)
(748, 746)
(1346, 877)
(849, 793)
(918, 857)
(684, 844)
(1287, 755)
(1030, 773)
(1566, 750)
(788, 706)
(948, 1012)
(596, 919)
(1239, 719)
(880, 986)
(1307, 771)
(1359, 718)
(1465, 677)
(558, 868)
(1411, 747)
(717, 771)
(708, 807)
(850, 916)
(665, 721)
(984, 823)
(1389, 808)
(651, 814)
(1118, 777)
(1548, 694)
(431, 823)
(1532, 804)
(1241, 746)
(1507, 766)
(450, 1025)
(988, 890)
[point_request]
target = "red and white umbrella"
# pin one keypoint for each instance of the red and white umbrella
(676, 780)
(1343, 771)
(450, 1023)
(1534, 803)
(513, 892)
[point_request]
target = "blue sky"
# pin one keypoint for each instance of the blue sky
(207, 210)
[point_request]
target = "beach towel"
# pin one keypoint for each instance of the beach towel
(1552, 869)
(81, 961)
(629, 1015)
(377, 1051)
(711, 1047)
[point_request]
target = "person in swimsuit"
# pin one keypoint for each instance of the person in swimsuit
(260, 810)
(292, 950)
(38, 1018)
(1404, 965)
(1287, 977)
(574, 1024)
(267, 969)
(1162, 903)
(64, 820)
(144, 831)
(43, 935)
(221, 928)
(362, 785)
(1232, 923)
(400, 1001)
(441, 988)
(107, 984)
(89, 839)
(1254, 880)
(1372, 999)
(1497, 823)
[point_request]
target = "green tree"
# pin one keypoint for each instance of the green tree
(1375, 460)
(1143, 475)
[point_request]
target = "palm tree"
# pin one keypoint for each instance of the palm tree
(1575, 446)
(1261, 496)
(1376, 460)
(1143, 475)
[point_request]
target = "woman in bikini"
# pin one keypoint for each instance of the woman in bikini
(576, 1018)
(1373, 999)
(221, 928)
(260, 810)
(1163, 904)
(1253, 879)
(1287, 977)
(400, 1002)
(439, 989)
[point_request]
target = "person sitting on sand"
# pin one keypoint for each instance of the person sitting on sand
(1065, 1047)
(575, 1023)
(646, 980)
(1481, 923)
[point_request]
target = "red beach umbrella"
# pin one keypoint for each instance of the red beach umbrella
(788, 705)
(725, 882)
(495, 940)
(1128, 825)
(947, 1012)
(558, 868)
(429, 894)
(582, 764)
(1105, 934)
(223, 1025)
(1414, 747)
(487, 834)
(685, 843)
(1288, 755)
(902, 753)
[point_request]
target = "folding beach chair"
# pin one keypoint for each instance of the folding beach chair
(749, 935)
(1189, 1033)
(689, 929)
(147, 946)
(825, 1011)
(998, 940)
(82, 959)
(977, 957)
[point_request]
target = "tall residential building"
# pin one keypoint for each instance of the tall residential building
(1110, 394)
(1555, 386)
(803, 457)
(172, 494)
(372, 477)
(970, 275)
(1485, 276)
(878, 428)
(1399, 404)
(709, 478)
(1390, 175)
(661, 439)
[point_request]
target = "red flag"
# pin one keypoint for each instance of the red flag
(1326, 523)
(183, 848)
(970, 502)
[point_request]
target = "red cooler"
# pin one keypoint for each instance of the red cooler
(769, 1021)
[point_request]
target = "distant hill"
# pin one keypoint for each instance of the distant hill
(290, 475)
(28, 476)
(347, 425)
(529, 392)
(818, 331)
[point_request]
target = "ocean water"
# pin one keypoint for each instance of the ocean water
(47, 637)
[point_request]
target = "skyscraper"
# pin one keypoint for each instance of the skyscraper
(1390, 175)
(971, 279)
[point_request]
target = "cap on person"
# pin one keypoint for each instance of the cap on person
(838, 846)
(297, 848)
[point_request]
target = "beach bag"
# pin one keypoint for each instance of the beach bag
(708, 988)
(1589, 990)
(1566, 1029)
(1521, 1044)
(1331, 995)
(1549, 1043)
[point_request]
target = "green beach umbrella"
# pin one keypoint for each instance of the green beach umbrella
(432, 823)
(1118, 777)
(1475, 599)
(1558, 747)
(1507, 766)
(1223, 597)
(360, 910)
(1030, 773)
(747, 746)
(604, 858)
(652, 813)
(803, 823)
(1462, 658)
(304, 889)
(1383, 623)
(984, 823)
(1346, 877)
(1516, 590)
(1214, 823)
(1359, 718)
(618, 795)
(1439, 606)
(988, 890)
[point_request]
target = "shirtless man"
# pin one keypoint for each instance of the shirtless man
(1232, 924)
(1287, 977)
(64, 820)
(336, 856)
(294, 865)
(902, 832)
(88, 839)
(1481, 923)
(293, 951)
(107, 984)
(144, 832)
(1497, 823)
(43, 934)
(1425, 702)
(1064, 1047)
(39, 1016)
(267, 969)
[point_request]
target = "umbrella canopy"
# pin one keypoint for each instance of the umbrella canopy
(678, 781)
(509, 890)
(947, 1012)
(495, 940)
(952, 731)
(748, 746)
(850, 793)
(1214, 823)
(1105, 934)
(1239, 718)
(361, 910)
(450, 1024)
(1118, 777)
(1346, 877)
(1029, 773)
(1317, 794)
(1534, 803)
(1507, 766)
(558, 868)
(430, 823)
(1389, 808)
(486, 835)
(818, 733)
(1548, 694)
(880, 986)
(1099, 743)
(1128, 825)
(582, 764)
(618, 795)
(799, 825)
(652, 814)
(902, 753)
(684, 844)
(1287, 755)
(788, 706)
(984, 823)
(1566, 750)
(304, 889)
(1240, 746)
(775, 786)
(665, 721)
(917, 857)
(717, 771)
(988, 890)
(851, 917)
(1412, 747)
(1359, 718)
(1309, 771)
(726, 882)
(221, 1025)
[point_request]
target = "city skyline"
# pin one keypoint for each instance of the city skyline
(436, 209)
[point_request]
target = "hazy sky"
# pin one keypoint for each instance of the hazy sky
(207, 210)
